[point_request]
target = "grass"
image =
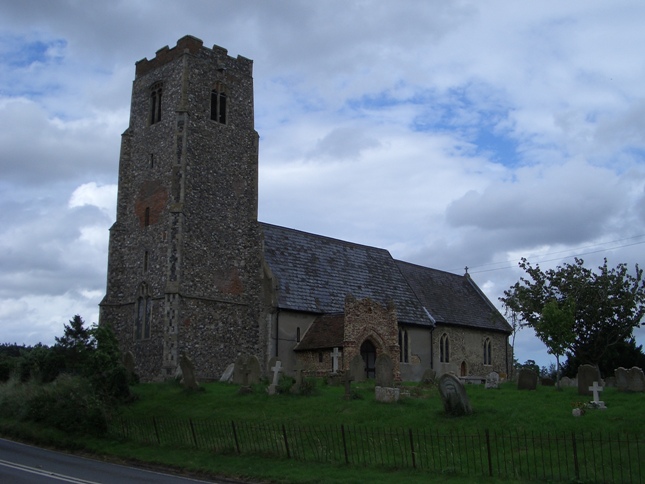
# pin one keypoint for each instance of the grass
(540, 411)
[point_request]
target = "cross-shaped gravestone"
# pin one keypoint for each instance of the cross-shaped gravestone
(347, 380)
(276, 370)
(595, 388)
(334, 360)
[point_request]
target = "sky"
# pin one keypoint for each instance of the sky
(452, 133)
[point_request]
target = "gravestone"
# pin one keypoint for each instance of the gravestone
(347, 380)
(298, 369)
(357, 369)
(547, 382)
(610, 381)
(429, 377)
(386, 394)
(594, 389)
(128, 363)
(246, 371)
(587, 374)
(565, 381)
(269, 372)
(228, 373)
(453, 395)
(334, 360)
(492, 380)
(527, 379)
(188, 379)
(631, 380)
(276, 369)
(384, 371)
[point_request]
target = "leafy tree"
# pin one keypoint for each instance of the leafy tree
(555, 330)
(608, 304)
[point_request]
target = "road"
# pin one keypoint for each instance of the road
(21, 464)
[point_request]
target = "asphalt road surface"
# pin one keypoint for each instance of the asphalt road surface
(21, 464)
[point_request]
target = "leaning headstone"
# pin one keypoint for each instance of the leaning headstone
(492, 380)
(631, 380)
(587, 374)
(453, 395)
(276, 369)
(357, 368)
(228, 373)
(527, 379)
(188, 379)
(386, 394)
(384, 367)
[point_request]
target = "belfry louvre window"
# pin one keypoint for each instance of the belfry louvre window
(218, 103)
(155, 102)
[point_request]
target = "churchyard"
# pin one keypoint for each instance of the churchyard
(414, 434)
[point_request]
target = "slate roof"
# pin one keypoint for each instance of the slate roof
(453, 299)
(315, 273)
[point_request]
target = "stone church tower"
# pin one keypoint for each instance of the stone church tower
(185, 263)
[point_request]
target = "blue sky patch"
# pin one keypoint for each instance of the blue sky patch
(20, 53)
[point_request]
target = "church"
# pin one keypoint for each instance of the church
(191, 270)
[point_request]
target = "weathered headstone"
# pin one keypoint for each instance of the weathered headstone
(565, 381)
(610, 381)
(334, 360)
(357, 368)
(247, 370)
(429, 377)
(269, 372)
(587, 374)
(547, 382)
(129, 363)
(384, 371)
(386, 394)
(188, 379)
(298, 369)
(276, 369)
(228, 373)
(527, 379)
(631, 380)
(347, 380)
(492, 380)
(594, 389)
(453, 395)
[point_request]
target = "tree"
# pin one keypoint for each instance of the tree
(608, 304)
(555, 330)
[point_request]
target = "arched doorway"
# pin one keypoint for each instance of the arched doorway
(368, 352)
(463, 370)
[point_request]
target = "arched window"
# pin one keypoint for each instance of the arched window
(444, 349)
(146, 217)
(155, 102)
(404, 345)
(488, 352)
(144, 313)
(218, 103)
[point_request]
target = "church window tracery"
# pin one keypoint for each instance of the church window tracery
(444, 349)
(488, 352)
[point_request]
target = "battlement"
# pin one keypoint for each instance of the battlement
(192, 45)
